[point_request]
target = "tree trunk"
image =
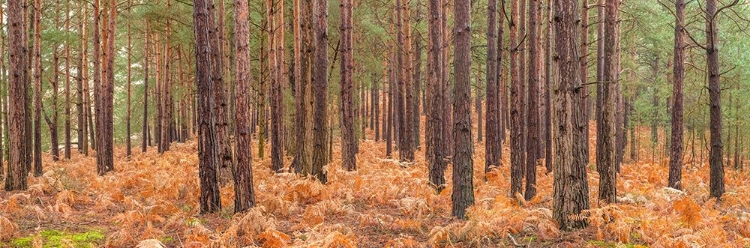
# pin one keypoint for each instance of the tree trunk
(144, 131)
(68, 144)
(714, 95)
(3, 102)
(209, 198)
(548, 92)
(584, 70)
(675, 155)
(445, 78)
(81, 68)
(463, 172)
(320, 90)
(570, 190)
(165, 137)
(244, 197)
(416, 84)
(224, 148)
(493, 143)
(16, 174)
(606, 151)
(348, 138)
(37, 88)
(532, 118)
(55, 89)
(262, 90)
(302, 159)
(404, 97)
(97, 52)
(600, 84)
(517, 148)
(478, 106)
(435, 142)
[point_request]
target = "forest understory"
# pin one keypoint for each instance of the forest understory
(152, 200)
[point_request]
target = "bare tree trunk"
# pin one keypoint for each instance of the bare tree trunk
(81, 68)
(320, 90)
(210, 198)
(445, 78)
(348, 138)
(3, 101)
(302, 159)
(220, 95)
(37, 88)
(532, 118)
(714, 95)
(404, 98)
(463, 173)
(67, 84)
(165, 105)
(571, 192)
(493, 143)
(516, 110)
(606, 150)
(584, 70)
(97, 52)
(435, 142)
(144, 131)
(244, 197)
(16, 175)
(127, 117)
(548, 92)
(277, 69)
(675, 155)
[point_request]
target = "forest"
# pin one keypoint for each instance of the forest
(374, 123)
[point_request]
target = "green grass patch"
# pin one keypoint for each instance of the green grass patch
(55, 238)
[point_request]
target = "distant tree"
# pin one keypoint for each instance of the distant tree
(144, 129)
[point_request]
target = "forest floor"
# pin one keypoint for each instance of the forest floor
(152, 199)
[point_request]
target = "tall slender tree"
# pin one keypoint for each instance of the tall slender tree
(80, 67)
(144, 129)
(130, 52)
(463, 162)
(68, 144)
(244, 197)
(320, 90)
(348, 138)
(532, 127)
(493, 144)
(605, 152)
(517, 148)
(678, 75)
(209, 198)
(435, 142)
(37, 87)
(303, 84)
